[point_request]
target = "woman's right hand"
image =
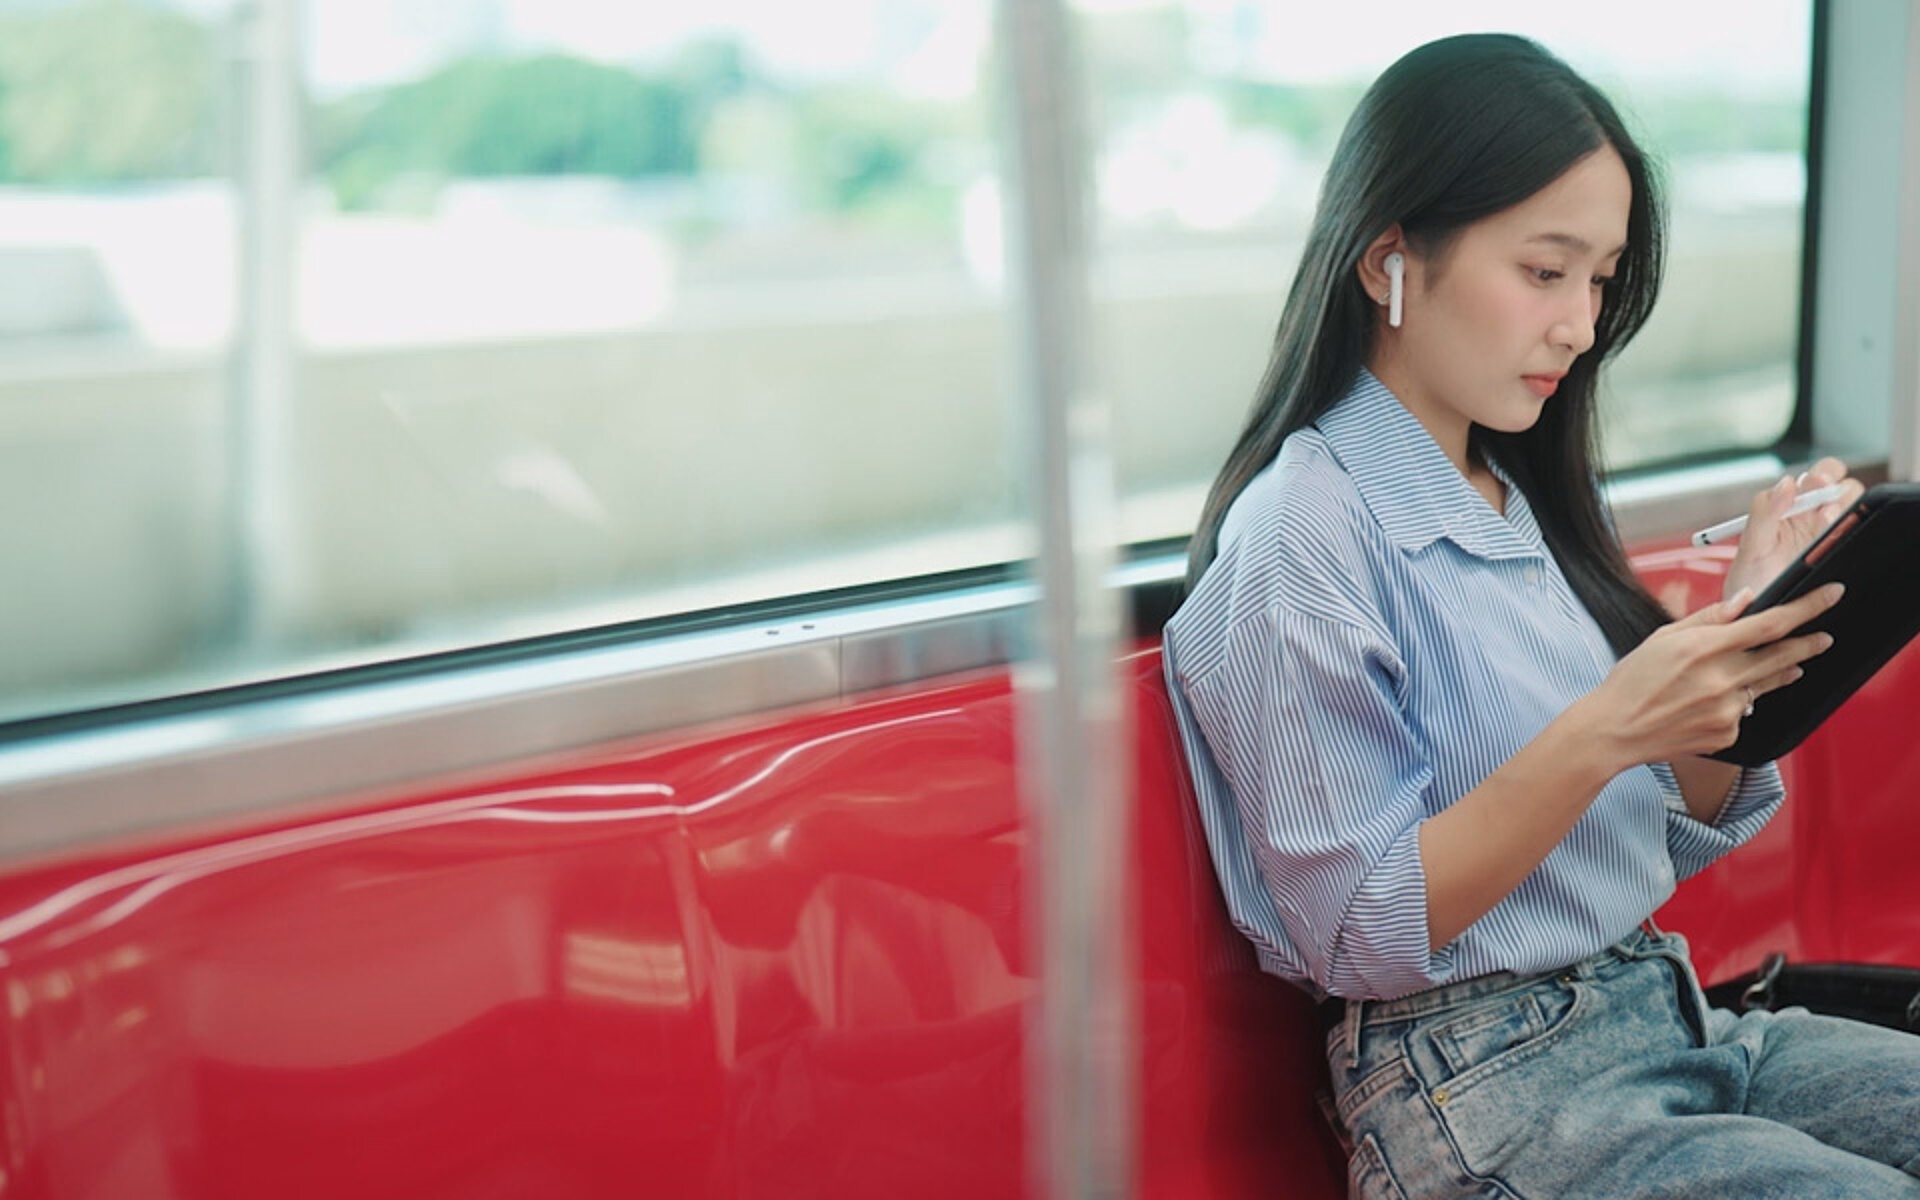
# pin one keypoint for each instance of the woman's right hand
(1685, 689)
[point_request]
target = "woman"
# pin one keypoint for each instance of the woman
(1448, 750)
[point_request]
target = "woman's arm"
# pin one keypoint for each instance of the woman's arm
(1681, 693)
(1705, 784)
(1483, 845)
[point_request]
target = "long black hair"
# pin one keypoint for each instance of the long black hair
(1457, 130)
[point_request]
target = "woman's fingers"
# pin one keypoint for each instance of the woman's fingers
(1849, 495)
(1688, 686)
(1768, 507)
(1826, 472)
(1776, 681)
(1781, 656)
(1777, 622)
(1719, 613)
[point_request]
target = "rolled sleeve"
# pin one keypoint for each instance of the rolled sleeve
(1695, 845)
(1330, 786)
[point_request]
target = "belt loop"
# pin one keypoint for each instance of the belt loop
(1352, 1021)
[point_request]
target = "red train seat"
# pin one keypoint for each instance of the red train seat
(1231, 1057)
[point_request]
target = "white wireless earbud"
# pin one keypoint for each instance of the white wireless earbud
(1396, 284)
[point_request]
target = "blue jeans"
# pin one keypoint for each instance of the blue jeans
(1612, 1079)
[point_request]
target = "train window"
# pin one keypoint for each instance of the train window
(438, 326)
(117, 229)
(343, 334)
(1215, 121)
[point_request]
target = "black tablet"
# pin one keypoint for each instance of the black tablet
(1874, 548)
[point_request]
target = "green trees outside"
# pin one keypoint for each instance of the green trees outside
(106, 92)
(544, 115)
(115, 92)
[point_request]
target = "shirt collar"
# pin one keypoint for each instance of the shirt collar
(1410, 486)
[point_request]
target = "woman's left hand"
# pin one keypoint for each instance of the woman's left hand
(1773, 540)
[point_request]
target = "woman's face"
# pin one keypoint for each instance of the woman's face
(1492, 323)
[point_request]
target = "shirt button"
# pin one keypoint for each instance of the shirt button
(1532, 576)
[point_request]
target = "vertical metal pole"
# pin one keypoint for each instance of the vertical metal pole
(1904, 452)
(267, 173)
(1076, 748)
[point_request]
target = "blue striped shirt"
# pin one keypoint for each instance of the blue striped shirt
(1372, 641)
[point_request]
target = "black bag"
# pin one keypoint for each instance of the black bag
(1881, 995)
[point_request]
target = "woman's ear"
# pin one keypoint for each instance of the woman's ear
(1376, 272)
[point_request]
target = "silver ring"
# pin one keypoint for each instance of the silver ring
(1749, 691)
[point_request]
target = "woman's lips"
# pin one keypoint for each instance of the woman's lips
(1543, 385)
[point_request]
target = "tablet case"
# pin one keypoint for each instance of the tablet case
(1878, 558)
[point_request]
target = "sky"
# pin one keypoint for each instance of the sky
(1758, 45)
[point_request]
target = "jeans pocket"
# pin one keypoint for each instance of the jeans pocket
(1512, 1074)
(1479, 1040)
(1367, 1175)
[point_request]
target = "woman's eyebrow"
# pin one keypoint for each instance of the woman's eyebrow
(1575, 243)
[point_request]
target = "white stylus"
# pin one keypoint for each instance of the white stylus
(1806, 502)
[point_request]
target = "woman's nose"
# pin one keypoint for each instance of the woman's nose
(1575, 328)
